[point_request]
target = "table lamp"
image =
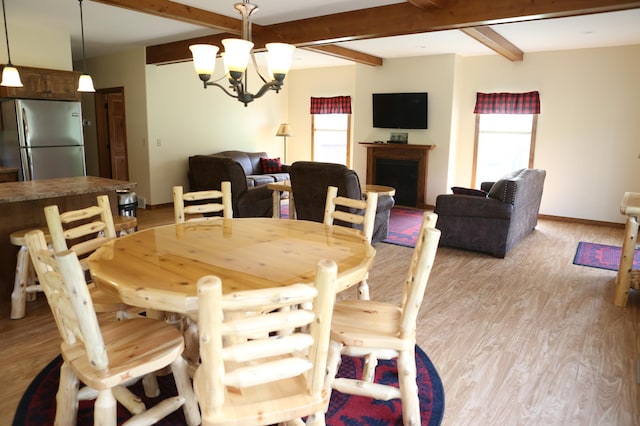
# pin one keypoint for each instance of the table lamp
(285, 130)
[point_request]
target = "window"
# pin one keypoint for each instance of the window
(330, 129)
(505, 134)
(504, 143)
(330, 138)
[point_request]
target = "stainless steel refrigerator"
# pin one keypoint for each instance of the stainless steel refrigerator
(43, 139)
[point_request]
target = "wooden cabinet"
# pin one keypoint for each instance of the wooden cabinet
(8, 174)
(43, 83)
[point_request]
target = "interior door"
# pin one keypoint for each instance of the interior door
(112, 134)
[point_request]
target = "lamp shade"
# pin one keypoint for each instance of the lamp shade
(279, 58)
(10, 77)
(85, 83)
(284, 130)
(236, 54)
(204, 58)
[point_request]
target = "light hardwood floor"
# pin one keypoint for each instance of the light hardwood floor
(527, 340)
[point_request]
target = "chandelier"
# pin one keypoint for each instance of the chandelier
(236, 55)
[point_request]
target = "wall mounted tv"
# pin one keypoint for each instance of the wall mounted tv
(400, 110)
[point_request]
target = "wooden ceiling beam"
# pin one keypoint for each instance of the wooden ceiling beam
(426, 4)
(495, 42)
(179, 12)
(344, 53)
(399, 19)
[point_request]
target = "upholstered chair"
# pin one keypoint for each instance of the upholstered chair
(310, 181)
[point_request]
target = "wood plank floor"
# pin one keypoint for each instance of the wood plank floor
(527, 340)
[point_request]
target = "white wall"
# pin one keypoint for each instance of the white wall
(432, 74)
(307, 83)
(588, 136)
(185, 119)
(38, 47)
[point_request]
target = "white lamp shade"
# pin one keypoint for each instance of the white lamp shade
(236, 54)
(204, 58)
(10, 77)
(85, 83)
(279, 57)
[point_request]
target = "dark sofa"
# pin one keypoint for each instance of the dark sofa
(309, 182)
(494, 219)
(209, 171)
(252, 167)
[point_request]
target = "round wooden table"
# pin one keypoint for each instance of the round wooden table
(158, 268)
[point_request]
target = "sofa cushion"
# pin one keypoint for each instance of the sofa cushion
(468, 191)
(249, 161)
(270, 165)
(259, 180)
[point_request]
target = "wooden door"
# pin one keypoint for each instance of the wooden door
(112, 134)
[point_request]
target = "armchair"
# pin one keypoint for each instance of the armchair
(495, 219)
(207, 172)
(309, 183)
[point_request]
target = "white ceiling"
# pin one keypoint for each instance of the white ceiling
(109, 29)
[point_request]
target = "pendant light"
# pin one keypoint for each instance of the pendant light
(85, 84)
(10, 74)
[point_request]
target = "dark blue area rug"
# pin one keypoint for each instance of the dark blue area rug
(37, 406)
(602, 256)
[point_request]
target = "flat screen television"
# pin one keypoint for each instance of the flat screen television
(400, 110)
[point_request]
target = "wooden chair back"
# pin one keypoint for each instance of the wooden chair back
(196, 211)
(110, 356)
(82, 231)
(247, 375)
(365, 220)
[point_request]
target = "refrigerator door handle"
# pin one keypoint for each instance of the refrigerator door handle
(27, 165)
(25, 127)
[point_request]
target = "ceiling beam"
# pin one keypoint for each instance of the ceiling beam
(399, 19)
(425, 4)
(179, 12)
(495, 42)
(344, 53)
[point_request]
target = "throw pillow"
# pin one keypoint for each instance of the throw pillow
(504, 190)
(271, 165)
(468, 191)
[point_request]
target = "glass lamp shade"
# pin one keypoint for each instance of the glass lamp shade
(85, 83)
(10, 77)
(236, 54)
(204, 58)
(279, 58)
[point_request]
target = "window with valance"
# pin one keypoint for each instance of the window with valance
(330, 129)
(505, 133)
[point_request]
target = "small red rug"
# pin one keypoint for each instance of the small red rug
(602, 256)
(404, 226)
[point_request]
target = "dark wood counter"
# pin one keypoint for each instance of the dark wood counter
(22, 206)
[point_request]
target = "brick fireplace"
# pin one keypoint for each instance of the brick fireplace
(401, 166)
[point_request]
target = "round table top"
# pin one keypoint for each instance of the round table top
(158, 268)
(380, 189)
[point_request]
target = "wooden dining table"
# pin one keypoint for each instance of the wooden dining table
(158, 268)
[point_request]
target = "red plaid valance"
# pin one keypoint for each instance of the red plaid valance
(507, 103)
(335, 105)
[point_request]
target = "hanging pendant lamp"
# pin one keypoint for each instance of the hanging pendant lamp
(10, 74)
(85, 83)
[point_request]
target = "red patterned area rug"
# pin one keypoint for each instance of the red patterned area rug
(602, 256)
(404, 226)
(37, 406)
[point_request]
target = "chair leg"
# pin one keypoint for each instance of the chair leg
(67, 397)
(408, 388)
(316, 419)
(185, 390)
(18, 296)
(363, 290)
(104, 409)
(369, 370)
(333, 362)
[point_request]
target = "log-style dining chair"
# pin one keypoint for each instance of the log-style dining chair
(108, 356)
(263, 356)
(361, 213)
(375, 330)
(83, 231)
(204, 203)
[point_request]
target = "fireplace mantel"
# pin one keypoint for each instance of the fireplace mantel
(390, 151)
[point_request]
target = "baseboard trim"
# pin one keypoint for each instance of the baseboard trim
(581, 221)
(158, 206)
